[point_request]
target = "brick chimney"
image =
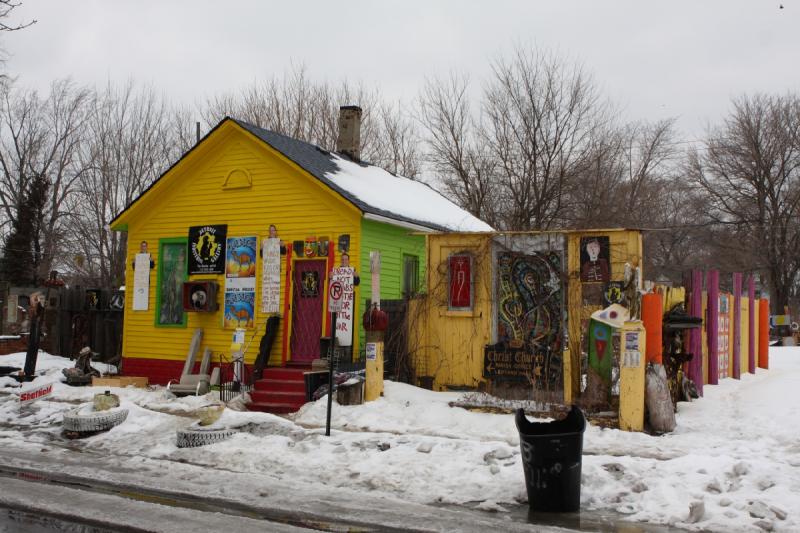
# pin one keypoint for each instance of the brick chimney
(349, 141)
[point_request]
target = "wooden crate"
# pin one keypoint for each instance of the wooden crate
(120, 381)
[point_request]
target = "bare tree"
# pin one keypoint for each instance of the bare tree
(132, 137)
(6, 7)
(750, 176)
(39, 140)
(301, 108)
(455, 150)
(541, 114)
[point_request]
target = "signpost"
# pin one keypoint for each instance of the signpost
(336, 292)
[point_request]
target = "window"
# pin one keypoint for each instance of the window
(410, 275)
(459, 271)
(171, 275)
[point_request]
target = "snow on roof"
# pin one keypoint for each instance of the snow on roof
(401, 196)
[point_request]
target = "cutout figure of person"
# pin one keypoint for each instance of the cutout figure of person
(345, 262)
(595, 267)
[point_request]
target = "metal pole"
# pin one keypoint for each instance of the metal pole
(331, 352)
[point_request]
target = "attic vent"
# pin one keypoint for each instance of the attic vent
(238, 178)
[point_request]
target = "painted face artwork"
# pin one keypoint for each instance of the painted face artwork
(593, 249)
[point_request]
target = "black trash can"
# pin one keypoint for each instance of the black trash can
(551, 459)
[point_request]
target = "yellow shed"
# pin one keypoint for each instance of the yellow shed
(508, 309)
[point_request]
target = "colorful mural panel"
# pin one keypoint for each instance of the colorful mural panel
(530, 313)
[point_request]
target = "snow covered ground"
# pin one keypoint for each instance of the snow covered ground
(733, 463)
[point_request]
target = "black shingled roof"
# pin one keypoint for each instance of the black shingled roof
(311, 158)
(317, 162)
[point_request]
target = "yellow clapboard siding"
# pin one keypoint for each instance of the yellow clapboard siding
(192, 194)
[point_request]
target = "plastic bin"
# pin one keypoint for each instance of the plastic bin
(551, 458)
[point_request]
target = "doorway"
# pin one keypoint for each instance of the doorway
(307, 309)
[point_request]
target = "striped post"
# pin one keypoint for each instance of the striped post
(736, 327)
(712, 327)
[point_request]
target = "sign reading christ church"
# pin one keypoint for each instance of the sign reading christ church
(207, 249)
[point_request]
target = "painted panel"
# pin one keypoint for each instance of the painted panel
(723, 337)
(530, 313)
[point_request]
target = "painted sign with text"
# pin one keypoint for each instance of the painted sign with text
(341, 300)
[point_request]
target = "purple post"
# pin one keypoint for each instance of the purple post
(751, 290)
(736, 329)
(695, 369)
(712, 327)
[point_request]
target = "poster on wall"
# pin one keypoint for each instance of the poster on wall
(141, 282)
(595, 263)
(207, 249)
(240, 282)
(342, 277)
(271, 275)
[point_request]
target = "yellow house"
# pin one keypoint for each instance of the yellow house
(505, 309)
(208, 219)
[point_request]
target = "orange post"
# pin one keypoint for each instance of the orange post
(652, 316)
(763, 333)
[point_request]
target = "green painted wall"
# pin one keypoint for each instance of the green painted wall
(393, 243)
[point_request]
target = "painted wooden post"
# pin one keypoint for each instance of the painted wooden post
(631, 376)
(712, 327)
(652, 317)
(751, 325)
(695, 366)
(763, 333)
(745, 334)
(736, 325)
(374, 366)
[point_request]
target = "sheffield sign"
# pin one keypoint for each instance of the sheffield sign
(31, 395)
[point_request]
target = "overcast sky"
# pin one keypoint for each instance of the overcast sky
(683, 59)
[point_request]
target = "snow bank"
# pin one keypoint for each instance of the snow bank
(733, 462)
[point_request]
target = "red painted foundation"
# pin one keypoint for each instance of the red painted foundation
(160, 371)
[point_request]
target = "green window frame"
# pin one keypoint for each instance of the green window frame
(173, 268)
(410, 281)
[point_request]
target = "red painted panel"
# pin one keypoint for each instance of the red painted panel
(460, 281)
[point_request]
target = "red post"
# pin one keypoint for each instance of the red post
(736, 327)
(286, 295)
(652, 317)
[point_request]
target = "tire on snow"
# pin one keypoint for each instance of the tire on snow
(196, 435)
(94, 421)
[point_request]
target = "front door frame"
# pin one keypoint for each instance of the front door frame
(297, 262)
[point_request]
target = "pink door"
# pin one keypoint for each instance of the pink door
(307, 307)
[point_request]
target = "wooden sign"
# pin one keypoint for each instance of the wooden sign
(141, 282)
(271, 275)
(341, 299)
(504, 363)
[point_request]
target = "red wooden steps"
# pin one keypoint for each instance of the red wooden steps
(281, 390)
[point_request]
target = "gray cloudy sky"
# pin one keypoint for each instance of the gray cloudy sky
(672, 58)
